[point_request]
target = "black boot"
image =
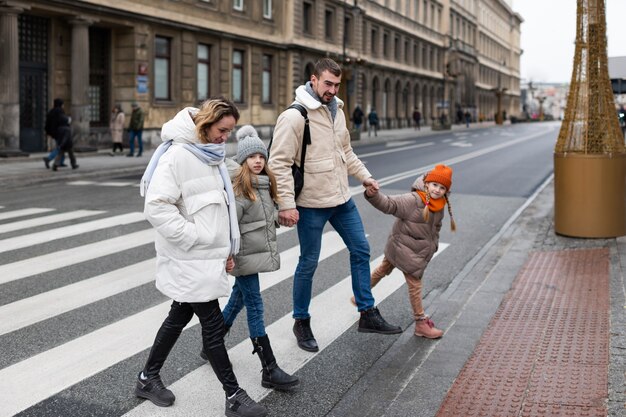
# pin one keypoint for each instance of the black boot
(304, 334)
(203, 354)
(272, 376)
(372, 322)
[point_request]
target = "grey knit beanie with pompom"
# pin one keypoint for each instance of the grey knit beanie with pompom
(249, 143)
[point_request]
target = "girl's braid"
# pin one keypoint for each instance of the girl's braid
(452, 222)
(426, 211)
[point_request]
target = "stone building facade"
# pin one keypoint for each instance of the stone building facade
(439, 56)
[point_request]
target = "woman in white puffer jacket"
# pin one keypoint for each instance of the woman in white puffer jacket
(191, 205)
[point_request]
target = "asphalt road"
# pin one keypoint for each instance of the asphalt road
(89, 277)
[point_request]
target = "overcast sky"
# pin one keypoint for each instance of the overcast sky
(549, 32)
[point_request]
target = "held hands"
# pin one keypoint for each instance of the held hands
(288, 217)
(371, 187)
(230, 264)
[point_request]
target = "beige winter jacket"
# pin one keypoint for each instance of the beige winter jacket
(329, 157)
(117, 126)
(412, 241)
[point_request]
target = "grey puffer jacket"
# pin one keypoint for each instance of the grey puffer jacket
(257, 224)
(412, 241)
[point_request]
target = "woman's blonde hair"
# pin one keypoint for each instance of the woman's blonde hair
(212, 111)
(245, 181)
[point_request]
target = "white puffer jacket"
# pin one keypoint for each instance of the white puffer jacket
(187, 205)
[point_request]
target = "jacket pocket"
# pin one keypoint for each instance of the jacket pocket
(196, 202)
(319, 166)
(209, 212)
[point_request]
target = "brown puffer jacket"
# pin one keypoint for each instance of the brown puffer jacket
(412, 241)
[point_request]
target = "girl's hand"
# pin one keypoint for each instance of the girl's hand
(230, 264)
(371, 191)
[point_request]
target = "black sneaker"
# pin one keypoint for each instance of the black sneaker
(241, 405)
(372, 322)
(153, 389)
(47, 162)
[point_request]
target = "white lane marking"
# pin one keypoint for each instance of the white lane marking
(34, 379)
(395, 144)
(23, 212)
(55, 260)
(332, 314)
(403, 148)
(43, 220)
(24, 241)
(104, 184)
(81, 183)
(461, 144)
(31, 310)
(471, 155)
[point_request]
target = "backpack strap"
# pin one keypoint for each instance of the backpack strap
(306, 137)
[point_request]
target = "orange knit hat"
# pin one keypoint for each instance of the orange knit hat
(441, 174)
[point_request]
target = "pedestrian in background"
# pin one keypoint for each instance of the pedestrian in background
(414, 238)
(325, 197)
(190, 203)
(135, 130)
(417, 118)
(357, 118)
(64, 134)
(372, 118)
(54, 118)
(468, 118)
(116, 126)
(255, 191)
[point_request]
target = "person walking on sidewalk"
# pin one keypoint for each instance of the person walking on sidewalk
(372, 118)
(325, 196)
(116, 125)
(414, 238)
(417, 118)
(255, 190)
(190, 202)
(135, 130)
(54, 118)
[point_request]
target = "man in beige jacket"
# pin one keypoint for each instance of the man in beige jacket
(324, 198)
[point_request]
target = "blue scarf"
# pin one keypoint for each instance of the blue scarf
(210, 154)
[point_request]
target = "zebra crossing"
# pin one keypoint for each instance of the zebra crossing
(60, 367)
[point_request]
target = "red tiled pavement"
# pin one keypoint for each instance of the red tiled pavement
(546, 349)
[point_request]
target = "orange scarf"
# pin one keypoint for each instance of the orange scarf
(434, 205)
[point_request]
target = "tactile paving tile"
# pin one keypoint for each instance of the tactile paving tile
(545, 352)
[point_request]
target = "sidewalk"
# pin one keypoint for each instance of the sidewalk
(20, 171)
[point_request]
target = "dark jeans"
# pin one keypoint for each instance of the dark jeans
(347, 222)
(212, 323)
(246, 292)
(132, 134)
(61, 156)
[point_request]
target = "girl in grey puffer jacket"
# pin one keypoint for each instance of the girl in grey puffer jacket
(254, 185)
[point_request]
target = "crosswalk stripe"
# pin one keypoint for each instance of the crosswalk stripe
(23, 212)
(41, 376)
(202, 382)
(28, 311)
(31, 239)
(53, 218)
(51, 261)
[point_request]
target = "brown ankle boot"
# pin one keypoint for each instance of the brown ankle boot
(426, 328)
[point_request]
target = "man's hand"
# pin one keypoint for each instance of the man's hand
(288, 217)
(230, 264)
(371, 191)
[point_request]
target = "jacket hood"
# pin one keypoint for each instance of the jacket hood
(181, 129)
(310, 102)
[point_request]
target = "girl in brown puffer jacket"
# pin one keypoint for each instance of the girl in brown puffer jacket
(414, 238)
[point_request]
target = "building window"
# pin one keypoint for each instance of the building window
(396, 48)
(266, 93)
(374, 41)
(307, 16)
(162, 68)
(238, 76)
(267, 9)
(204, 71)
(329, 25)
(238, 5)
(347, 30)
(385, 45)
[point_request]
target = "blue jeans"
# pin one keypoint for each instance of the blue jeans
(132, 134)
(53, 154)
(246, 292)
(347, 222)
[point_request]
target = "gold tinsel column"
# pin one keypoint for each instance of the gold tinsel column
(589, 157)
